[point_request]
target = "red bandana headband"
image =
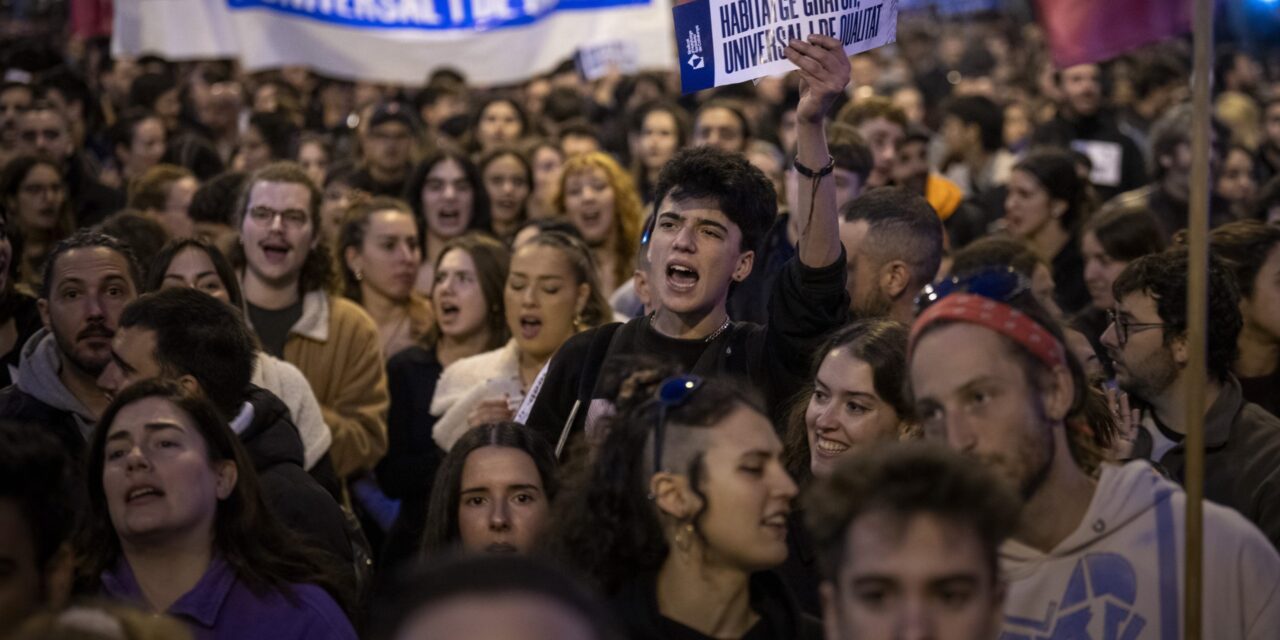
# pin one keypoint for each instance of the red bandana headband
(997, 316)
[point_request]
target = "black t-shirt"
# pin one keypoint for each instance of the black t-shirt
(273, 325)
(806, 306)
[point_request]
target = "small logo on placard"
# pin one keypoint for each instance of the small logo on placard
(693, 44)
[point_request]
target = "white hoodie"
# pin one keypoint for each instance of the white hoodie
(1119, 575)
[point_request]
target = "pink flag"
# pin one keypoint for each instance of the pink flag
(1084, 31)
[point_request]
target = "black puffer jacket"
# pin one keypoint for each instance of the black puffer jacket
(275, 449)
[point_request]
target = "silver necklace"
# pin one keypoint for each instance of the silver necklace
(714, 334)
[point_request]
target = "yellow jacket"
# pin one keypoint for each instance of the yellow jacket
(336, 346)
(944, 195)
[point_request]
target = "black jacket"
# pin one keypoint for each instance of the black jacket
(1241, 458)
(275, 449)
(1068, 133)
(408, 469)
(636, 609)
(807, 305)
(18, 405)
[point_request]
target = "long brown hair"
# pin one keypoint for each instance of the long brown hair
(264, 555)
(493, 261)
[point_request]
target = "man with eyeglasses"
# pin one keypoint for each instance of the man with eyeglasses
(44, 130)
(1093, 555)
(387, 143)
(1147, 341)
(287, 278)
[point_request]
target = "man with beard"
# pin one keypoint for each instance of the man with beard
(288, 276)
(893, 244)
(1090, 557)
(88, 279)
(1147, 341)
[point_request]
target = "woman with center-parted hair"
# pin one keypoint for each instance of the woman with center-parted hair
(177, 525)
(493, 492)
(467, 302)
(448, 198)
(682, 515)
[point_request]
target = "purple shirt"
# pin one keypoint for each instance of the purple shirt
(220, 606)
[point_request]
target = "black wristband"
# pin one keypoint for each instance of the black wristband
(810, 173)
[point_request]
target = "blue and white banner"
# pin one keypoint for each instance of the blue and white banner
(729, 41)
(399, 41)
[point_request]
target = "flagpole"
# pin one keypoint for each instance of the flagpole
(1197, 316)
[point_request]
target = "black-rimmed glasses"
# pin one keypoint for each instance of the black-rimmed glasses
(1124, 328)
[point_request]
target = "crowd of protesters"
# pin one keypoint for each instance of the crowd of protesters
(893, 346)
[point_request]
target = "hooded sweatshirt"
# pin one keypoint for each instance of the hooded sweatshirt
(1119, 574)
(38, 395)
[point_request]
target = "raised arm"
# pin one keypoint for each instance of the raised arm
(824, 72)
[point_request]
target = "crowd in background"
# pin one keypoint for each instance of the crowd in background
(271, 340)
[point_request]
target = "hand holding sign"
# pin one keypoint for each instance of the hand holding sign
(824, 73)
(726, 41)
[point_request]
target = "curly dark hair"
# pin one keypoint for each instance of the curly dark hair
(263, 554)
(441, 531)
(904, 480)
(744, 194)
(1163, 276)
(604, 524)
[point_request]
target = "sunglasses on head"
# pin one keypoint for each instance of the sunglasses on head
(1001, 284)
(672, 393)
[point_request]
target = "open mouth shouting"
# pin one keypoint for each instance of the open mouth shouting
(275, 251)
(530, 326)
(681, 277)
(449, 312)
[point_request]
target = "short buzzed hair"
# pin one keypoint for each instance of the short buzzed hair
(905, 480)
(901, 226)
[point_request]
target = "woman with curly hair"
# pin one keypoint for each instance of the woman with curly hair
(682, 515)
(600, 199)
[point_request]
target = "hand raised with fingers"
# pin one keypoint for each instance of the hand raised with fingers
(824, 74)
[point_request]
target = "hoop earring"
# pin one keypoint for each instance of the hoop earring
(684, 538)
